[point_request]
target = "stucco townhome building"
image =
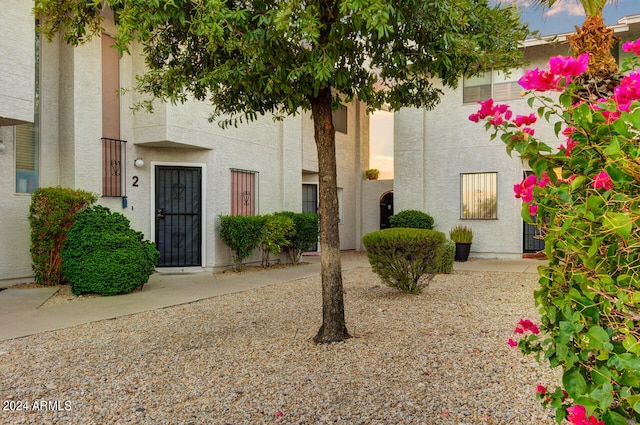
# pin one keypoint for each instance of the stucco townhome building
(448, 167)
(170, 172)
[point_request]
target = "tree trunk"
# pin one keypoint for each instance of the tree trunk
(602, 76)
(597, 40)
(333, 327)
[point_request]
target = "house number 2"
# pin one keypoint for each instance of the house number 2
(135, 181)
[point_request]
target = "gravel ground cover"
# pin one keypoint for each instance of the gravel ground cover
(440, 357)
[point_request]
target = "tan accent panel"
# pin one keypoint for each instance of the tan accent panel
(110, 88)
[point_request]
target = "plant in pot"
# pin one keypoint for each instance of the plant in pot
(462, 236)
(372, 173)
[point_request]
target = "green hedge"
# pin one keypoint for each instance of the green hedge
(51, 215)
(103, 255)
(242, 234)
(400, 256)
(413, 219)
(276, 232)
(447, 257)
(305, 234)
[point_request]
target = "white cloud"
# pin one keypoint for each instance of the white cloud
(567, 7)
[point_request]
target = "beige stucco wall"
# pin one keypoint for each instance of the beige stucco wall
(372, 192)
(17, 41)
(71, 156)
(432, 149)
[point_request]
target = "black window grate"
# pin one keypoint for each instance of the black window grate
(113, 167)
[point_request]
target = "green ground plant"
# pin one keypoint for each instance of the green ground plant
(585, 196)
(242, 235)
(412, 218)
(104, 255)
(51, 215)
(401, 256)
(305, 234)
(275, 235)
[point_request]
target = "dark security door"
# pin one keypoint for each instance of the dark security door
(310, 204)
(179, 216)
(532, 238)
(386, 210)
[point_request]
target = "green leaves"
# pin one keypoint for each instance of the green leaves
(619, 223)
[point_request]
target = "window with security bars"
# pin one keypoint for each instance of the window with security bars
(244, 188)
(479, 196)
(113, 160)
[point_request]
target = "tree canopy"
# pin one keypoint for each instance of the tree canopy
(281, 57)
(272, 56)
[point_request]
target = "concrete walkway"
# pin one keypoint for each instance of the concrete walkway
(21, 315)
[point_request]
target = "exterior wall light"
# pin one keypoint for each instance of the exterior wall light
(138, 162)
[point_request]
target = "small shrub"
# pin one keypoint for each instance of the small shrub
(305, 234)
(51, 215)
(401, 256)
(412, 218)
(275, 234)
(447, 257)
(461, 234)
(104, 255)
(241, 234)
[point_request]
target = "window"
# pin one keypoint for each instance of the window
(479, 196)
(26, 158)
(27, 139)
(496, 85)
(340, 119)
(244, 186)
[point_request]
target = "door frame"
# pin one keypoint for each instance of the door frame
(203, 200)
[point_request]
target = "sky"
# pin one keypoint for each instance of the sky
(558, 20)
(568, 13)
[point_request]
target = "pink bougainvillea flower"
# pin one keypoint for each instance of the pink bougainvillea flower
(528, 325)
(569, 131)
(529, 130)
(602, 181)
(533, 209)
(544, 180)
(497, 113)
(524, 189)
(497, 119)
(632, 46)
(570, 145)
(541, 389)
(628, 91)
(538, 80)
(279, 414)
(521, 120)
(518, 330)
(578, 416)
(512, 343)
(568, 66)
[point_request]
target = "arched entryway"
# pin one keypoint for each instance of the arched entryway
(386, 209)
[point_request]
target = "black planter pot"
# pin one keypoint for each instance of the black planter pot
(462, 251)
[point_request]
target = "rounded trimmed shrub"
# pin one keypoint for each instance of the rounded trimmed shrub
(401, 256)
(104, 255)
(304, 236)
(412, 218)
